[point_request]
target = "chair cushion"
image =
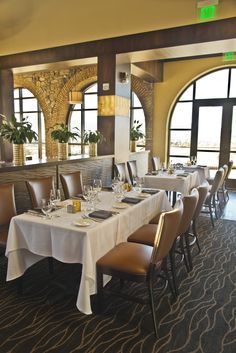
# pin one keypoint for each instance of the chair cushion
(131, 258)
(144, 235)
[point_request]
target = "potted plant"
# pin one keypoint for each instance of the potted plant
(62, 134)
(93, 138)
(18, 133)
(135, 135)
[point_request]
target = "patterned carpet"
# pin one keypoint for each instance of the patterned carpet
(44, 319)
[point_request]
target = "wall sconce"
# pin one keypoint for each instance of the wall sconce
(75, 97)
(124, 77)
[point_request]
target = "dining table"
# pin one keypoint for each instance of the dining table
(203, 171)
(179, 181)
(77, 238)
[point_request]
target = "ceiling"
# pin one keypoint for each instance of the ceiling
(29, 25)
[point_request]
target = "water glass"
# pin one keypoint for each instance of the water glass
(46, 207)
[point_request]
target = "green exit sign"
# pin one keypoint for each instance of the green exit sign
(207, 12)
(229, 56)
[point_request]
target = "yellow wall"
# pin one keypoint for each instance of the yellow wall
(177, 75)
(35, 24)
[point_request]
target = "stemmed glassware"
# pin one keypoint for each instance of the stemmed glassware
(87, 194)
(55, 197)
(97, 188)
(46, 207)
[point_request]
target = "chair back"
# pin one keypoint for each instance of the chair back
(202, 194)
(217, 181)
(72, 184)
(39, 189)
(230, 166)
(120, 171)
(7, 204)
(155, 163)
(166, 232)
(189, 206)
(225, 169)
(133, 172)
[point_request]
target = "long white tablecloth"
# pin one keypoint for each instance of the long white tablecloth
(182, 184)
(32, 238)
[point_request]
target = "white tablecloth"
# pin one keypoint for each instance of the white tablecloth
(182, 184)
(32, 238)
(204, 172)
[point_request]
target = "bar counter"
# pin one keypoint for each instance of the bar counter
(90, 167)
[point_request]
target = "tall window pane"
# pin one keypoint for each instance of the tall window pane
(232, 92)
(27, 106)
(180, 143)
(209, 137)
(182, 116)
(213, 85)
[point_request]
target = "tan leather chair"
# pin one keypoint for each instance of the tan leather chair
(7, 210)
(221, 189)
(202, 192)
(155, 163)
(39, 189)
(210, 204)
(138, 262)
(133, 172)
(120, 172)
(72, 184)
(146, 234)
(230, 166)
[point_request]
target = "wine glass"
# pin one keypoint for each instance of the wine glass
(46, 207)
(52, 197)
(97, 187)
(87, 189)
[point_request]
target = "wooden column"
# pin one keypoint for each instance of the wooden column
(6, 108)
(113, 108)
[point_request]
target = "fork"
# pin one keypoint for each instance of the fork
(93, 219)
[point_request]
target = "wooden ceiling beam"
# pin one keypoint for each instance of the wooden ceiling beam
(150, 71)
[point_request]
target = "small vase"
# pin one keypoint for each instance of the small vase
(133, 145)
(62, 150)
(18, 154)
(93, 149)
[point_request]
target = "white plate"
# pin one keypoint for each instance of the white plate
(143, 195)
(120, 205)
(82, 222)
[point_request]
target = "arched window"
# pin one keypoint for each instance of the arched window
(203, 121)
(137, 114)
(84, 116)
(27, 106)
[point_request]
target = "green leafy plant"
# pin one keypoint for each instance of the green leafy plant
(17, 132)
(93, 137)
(135, 132)
(62, 134)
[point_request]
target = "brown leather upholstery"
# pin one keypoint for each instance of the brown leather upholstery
(133, 172)
(120, 171)
(155, 163)
(130, 258)
(39, 189)
(72, 184)
(210, 202)
(7, 210)
(190, 203)
(144, 235)
(136, 262)
(230, 166)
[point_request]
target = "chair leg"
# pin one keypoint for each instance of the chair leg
(165, 269)
(151, 301)
(173, 269)
(190, 263)
(211, 215)
(181, 243)
(99, 290)
(196, 235)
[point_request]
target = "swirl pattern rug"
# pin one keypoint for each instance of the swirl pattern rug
(202, 320)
